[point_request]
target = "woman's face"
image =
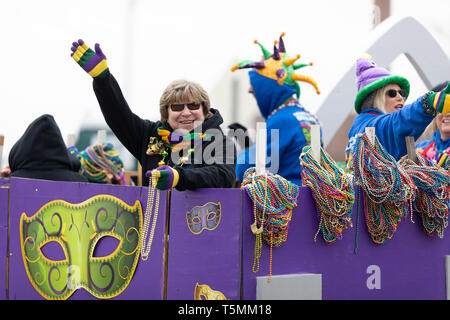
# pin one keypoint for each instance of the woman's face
(443, 124)
(393, 102)
(185, 116)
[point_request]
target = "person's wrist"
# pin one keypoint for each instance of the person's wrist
(427, 103)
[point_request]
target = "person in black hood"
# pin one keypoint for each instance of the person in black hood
(42, 154)
(186, 147)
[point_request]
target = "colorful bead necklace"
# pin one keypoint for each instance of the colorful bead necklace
(175, 142)
(441, 157)
(332, 191)
(387, 188)
(273, 199)
(292, 102)
(432, 194)
(100, 163)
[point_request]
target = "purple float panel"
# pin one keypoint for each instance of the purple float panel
(29, 196)
(204, 244)
(4, 191)
(411, 265)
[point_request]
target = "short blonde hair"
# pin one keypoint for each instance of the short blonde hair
(182, 91)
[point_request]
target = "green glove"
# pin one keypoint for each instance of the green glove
(164, 177)
(440, 100)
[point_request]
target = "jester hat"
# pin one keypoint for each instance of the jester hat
(370, 77)
(278, 66)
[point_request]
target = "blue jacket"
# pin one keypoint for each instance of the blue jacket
(288, 129)
(391, 128)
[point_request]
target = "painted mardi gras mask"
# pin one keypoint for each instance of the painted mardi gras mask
(77, 229)
(204, 292)
(204, 217)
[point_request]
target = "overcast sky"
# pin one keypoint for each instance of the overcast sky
(150, 43)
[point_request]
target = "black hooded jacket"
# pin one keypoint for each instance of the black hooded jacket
(42, 154)
(134, 133)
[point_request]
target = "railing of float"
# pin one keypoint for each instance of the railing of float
(202, 247)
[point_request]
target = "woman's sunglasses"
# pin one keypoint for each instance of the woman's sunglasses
(392, 93)
(180, 107)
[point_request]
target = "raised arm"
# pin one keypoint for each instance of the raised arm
(129, 128)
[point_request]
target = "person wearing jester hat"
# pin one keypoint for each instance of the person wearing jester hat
(273, 82)
(380, 103)
(169, 150)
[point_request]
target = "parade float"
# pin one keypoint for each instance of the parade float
(335, 237)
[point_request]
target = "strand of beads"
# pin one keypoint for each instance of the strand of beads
(152, 208)
(332, 191)
(387, 188)
(432, 194)
(273, 198)
(280, 199)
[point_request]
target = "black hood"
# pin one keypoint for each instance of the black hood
(214, 121)
(42, 154)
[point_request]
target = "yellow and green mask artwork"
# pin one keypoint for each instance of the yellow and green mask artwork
(78, 228)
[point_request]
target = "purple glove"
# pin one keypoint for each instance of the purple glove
(94, 63)
(163, 177)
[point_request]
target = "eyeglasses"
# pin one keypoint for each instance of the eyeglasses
(180, 107)
(392, 93)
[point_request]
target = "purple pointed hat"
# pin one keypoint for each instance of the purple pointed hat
(370, 77)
